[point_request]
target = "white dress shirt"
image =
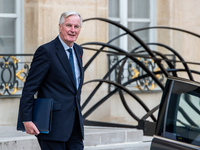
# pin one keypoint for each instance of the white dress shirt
(76, 67)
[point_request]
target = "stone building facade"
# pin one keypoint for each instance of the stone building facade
(40, 25)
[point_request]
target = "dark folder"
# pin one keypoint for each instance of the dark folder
(42, 115)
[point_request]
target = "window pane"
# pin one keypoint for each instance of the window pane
(144, 35)
(183, 123)
(7, 6)
(114, 32)
(138, 8)
(188, 122)
(7, 35)
(114, 8)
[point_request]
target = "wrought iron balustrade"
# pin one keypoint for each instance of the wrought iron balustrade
(13, 72)
(132, 70)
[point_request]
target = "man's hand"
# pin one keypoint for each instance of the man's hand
(31, 128)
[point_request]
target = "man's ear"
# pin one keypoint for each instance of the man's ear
(59, 27)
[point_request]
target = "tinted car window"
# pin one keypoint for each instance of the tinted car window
(183, 117)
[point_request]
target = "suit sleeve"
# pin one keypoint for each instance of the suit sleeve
(37, 73)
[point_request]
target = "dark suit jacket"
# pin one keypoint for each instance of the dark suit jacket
(51, 77)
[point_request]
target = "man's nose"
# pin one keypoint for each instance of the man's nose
(72, 29)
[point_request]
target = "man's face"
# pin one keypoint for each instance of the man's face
(70, 29)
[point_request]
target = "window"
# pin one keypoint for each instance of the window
(183, 123)
(11, 25)
(133, 14)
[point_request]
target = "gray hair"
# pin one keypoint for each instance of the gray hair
(67, 14)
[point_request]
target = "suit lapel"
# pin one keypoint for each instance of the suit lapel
(79, 59)
(64, 60)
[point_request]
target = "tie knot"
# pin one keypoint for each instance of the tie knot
(70, 50)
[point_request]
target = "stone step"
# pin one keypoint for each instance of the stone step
(10, 139)
(96, 138)
(121, 146)
(107, 135)
(104, 138)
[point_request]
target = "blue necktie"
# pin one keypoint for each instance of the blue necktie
(71, 60)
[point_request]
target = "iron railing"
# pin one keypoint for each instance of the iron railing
(132, 70)
(152, 74)
(13, 72)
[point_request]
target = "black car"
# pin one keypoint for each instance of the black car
(178, 125)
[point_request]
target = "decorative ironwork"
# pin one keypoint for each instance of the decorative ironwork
(147, 72)
(132, 71)
(12, 74)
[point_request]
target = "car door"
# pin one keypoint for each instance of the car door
(161, 143)
(178, 125)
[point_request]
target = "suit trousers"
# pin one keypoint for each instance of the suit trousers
(75, 141)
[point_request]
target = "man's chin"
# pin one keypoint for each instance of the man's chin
(71, 39)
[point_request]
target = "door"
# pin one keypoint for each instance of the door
(178, 124)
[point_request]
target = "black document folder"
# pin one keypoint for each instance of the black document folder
(42, 115)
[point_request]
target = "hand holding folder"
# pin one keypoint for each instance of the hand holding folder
(42, 115)
(31, 128)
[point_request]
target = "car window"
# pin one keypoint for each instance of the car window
(183, 116)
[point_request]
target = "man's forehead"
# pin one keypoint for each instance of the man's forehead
(73, 19)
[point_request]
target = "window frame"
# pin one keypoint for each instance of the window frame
(124, 20)
(19, 26)
(172, 112)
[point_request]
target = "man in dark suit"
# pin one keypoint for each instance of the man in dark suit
(52, 76)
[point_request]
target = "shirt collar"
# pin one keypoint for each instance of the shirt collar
(63, 44)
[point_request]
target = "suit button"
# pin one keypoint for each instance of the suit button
(74, 109)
